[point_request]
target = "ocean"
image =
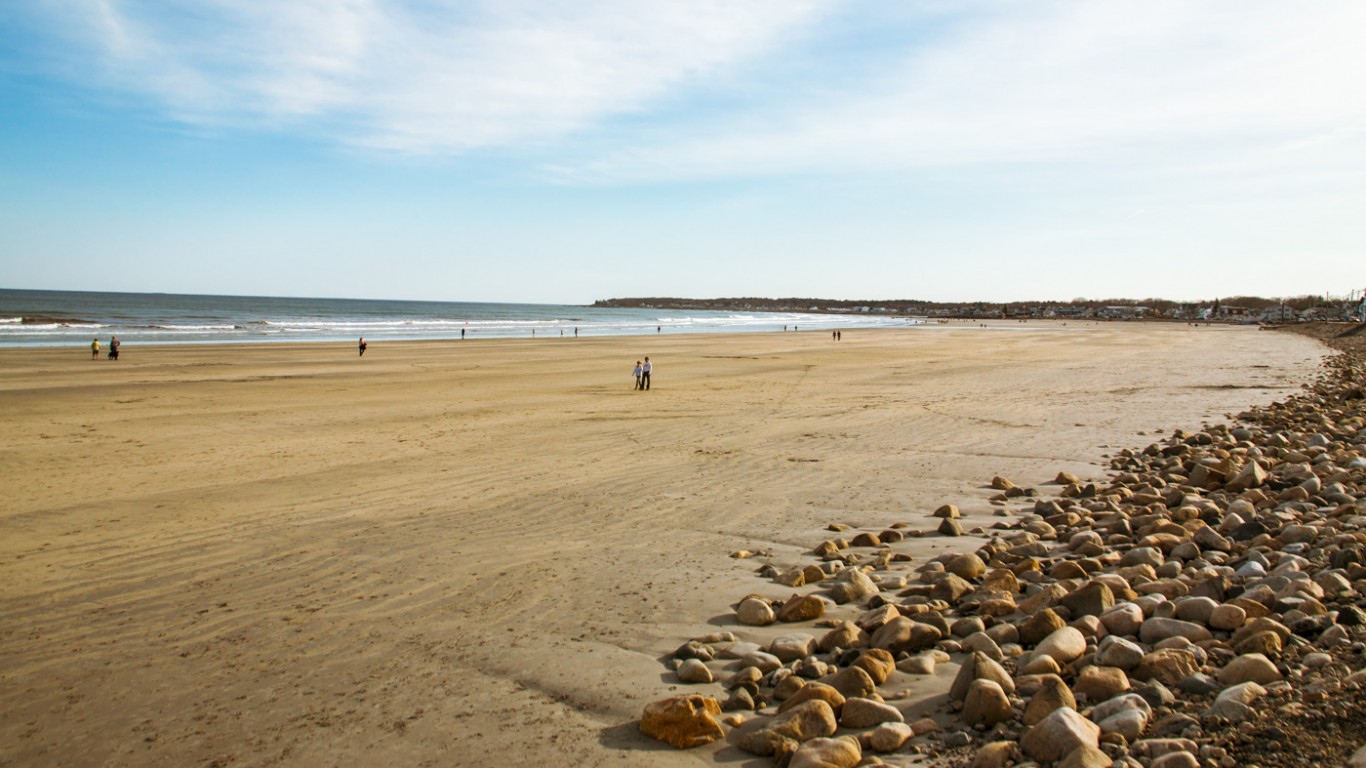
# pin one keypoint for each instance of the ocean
(58, 318)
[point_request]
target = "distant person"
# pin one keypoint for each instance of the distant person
(113, 348)
(462, 334)
(834, 336)
(839, 335)
(645, 369)
(658, 329)
(362, 346)
(638, 373)
(576, 331)
(95, 349)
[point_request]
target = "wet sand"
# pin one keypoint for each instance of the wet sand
(465, 552)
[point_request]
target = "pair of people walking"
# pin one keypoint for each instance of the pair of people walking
(642, 374)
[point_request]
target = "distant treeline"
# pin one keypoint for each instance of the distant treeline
(1154, 305)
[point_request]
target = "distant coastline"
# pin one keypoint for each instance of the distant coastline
(1237, 309)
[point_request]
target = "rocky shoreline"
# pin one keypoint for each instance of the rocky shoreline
(1201, 607)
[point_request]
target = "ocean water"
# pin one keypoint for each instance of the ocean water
(59, 318)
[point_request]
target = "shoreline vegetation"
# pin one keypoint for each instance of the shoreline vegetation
(1238, 309)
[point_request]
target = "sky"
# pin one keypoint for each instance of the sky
(564, 151)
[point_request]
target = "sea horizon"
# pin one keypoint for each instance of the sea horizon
(46, 318)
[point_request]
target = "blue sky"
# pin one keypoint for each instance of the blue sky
(567, 151)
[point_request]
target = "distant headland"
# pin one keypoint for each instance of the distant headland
(1244, 309)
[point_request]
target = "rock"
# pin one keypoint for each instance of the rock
(683, 722)
(889, 737)
(997, 754)
(801, 608)
(920, 664)
(1227, 617)
(1053, 694)
(755, 612)
(694, 671)
(852, 682)
(1063, 646)
(879, 664)
(846, 635)
(1252, 475)
(966, 566)
(1176, 760)
(764, 662)
(814, 692)
(979, 666)
(1058, 734)
(1115, 651)
(1157, 629)
(1100, 683)
(950, 588)
(986, 704)
(1167, 666)
(981, 642)
(1123, 619)
(1251, 667)
(948, 512)
(902, 635)
(1040, 625)
(792, 646)
(866, 713)
(827, 753)
(1091, 599)
(1086, 757)
(812, 719)
(852, 585)
(950, 527)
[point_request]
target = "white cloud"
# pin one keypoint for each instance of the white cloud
(1061, 81)
(421, 77)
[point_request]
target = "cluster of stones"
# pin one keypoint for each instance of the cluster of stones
(1144, 622)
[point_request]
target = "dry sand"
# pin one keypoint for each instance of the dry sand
(462, 553)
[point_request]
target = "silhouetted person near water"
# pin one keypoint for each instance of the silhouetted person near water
(362, 347)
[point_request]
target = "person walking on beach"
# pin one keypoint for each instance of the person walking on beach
(95, 349)
(638, 373)
(362, 346)
(645, 369)
(113, 348)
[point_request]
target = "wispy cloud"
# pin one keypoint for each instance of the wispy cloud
(419, 77)
(1048, 82)
(623, 91)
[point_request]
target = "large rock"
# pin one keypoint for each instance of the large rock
(1251, 667)
(793, 646)
(1123, 619)
(1100, 683)
(851, 586)
(813, 692)
(694, 671)
(755, 612)
(1167, 666)
(853, 682)
(801, 608)
(1157, 629)
(902, 635)
(879, 664)
(846, 635)
(1057, 735)
(810, 720)
(866, 713)
(1040, 625)
(1115, 651)
(1053, 694)
(889, 737)
(997, 754)
(843, 752)
(986, 704)
(966, 566)
(683, 721)
(1091, 599)
(979, 666)
(1063, 646)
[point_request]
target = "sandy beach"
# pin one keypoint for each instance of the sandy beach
(459, 553)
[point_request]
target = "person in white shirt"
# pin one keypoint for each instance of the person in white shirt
(645, 369)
